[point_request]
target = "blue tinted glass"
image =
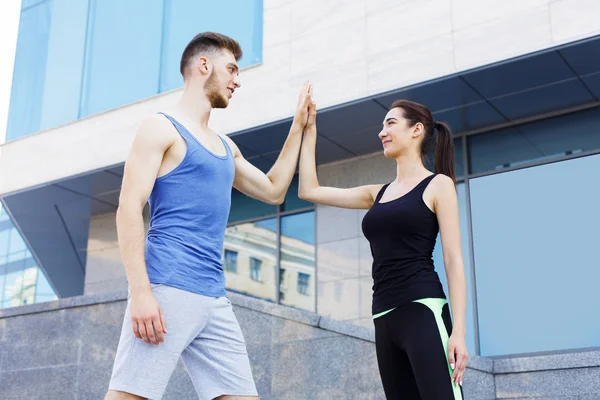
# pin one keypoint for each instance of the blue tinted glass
(43, 290)
(29, 72)
(239, 19)
(4, 235)
(534, 232)
(292, 202)
(299, 226)
(244, 207)
(438, 259)
(537, 141)
(123, 54)
(16, 243)
(2, 278)
(29, 3)
(13, 288)
(48, 66)
(269, 224)
(459, 167)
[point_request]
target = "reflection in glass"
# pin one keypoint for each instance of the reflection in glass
(297, 273)
(43, 290)
(13, 286)
(28, 288)
(48, 66)
(53, 84)
(230, 262)
(537, 141)
(438, 260)
(253, 241)
(535, 232)
(123, 53)
(244, 208)
(255, 266)
(21, 281)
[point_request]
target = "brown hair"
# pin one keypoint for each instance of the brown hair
(206, 42)
(441, 144)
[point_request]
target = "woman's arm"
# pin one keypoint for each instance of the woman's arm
(309, 188)
(446, 208)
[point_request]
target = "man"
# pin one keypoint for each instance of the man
(185, 172)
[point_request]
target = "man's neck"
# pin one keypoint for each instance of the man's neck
(194, 107)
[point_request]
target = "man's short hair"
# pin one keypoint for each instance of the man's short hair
(207, 42)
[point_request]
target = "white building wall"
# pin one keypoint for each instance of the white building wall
(348, 49)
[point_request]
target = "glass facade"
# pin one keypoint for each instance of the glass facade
(21, 280)
(528, 233)
(274, 250)
(65, 66)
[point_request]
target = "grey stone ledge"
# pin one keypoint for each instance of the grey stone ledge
(273, 309)
(69, 302)
(481, 364)
(582, 359)
(239, 300)
(347, 329)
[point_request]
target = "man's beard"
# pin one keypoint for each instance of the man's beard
(211, 88)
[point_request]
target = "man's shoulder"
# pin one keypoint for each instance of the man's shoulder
(156, 127)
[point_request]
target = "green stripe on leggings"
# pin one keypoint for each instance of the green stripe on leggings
(436, 306)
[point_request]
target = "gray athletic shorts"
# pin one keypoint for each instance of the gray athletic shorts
(203, 331)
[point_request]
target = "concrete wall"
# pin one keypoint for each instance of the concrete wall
(349, 49)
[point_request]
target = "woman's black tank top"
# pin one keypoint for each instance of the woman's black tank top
(402, 234)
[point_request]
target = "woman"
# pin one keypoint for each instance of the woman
(420, 355)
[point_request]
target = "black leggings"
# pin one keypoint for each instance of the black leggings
(411, 352)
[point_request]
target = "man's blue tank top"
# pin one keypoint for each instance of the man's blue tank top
(189, 208)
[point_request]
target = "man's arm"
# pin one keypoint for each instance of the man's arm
(272, 186)
(141, 170)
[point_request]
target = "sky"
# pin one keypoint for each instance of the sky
(9, 26)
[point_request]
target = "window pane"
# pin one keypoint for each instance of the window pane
(48, 66)
(28, 291)
(292, 202)
(16, 242)
(13, 287)
(536, 269)
(2, 279)
(258, 241)
(255, 269)
(4, 235)
(459, 167)
(245, 208)
(537, 141)
(297, 263)
(438, 260)
(28, 80)
(243, 25)
(123, 54)
(230, 262)
(43, 290)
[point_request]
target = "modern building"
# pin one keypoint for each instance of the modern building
(517, 81)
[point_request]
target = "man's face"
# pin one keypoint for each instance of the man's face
(223, 79)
